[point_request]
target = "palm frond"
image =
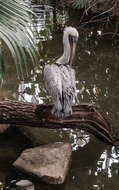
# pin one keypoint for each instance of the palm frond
(81, 3)
(15, 31)
(2, 68)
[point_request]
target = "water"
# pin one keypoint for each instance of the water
(95, 165)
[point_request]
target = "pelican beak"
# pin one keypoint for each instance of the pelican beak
(73, 53)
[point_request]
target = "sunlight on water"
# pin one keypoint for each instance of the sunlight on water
(42, 25)
(106, 162)
(29, 97)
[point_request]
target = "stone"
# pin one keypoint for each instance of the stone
(48, 162)
(24, 183)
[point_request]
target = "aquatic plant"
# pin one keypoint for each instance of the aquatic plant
(80, 3)
(16, 33)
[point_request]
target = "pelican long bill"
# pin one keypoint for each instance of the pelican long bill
(72, 53)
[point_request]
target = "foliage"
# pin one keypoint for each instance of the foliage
(81, 3)
(16, 33)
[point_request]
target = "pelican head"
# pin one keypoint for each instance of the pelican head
(70, 38)
(72, 35)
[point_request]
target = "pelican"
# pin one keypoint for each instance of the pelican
(60, 77)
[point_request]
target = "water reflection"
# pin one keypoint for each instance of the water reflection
(48, 18)
(94, 165)
(107, 162)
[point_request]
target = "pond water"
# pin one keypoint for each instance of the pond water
(95, 165)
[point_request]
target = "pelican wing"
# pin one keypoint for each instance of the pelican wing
(73, 81)
(68, 80)
(69, 89)
(52, 77)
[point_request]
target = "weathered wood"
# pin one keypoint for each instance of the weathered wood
(85, 116)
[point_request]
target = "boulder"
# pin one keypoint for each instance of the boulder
(48, 162)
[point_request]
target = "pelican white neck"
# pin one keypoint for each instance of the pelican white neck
(68, 32)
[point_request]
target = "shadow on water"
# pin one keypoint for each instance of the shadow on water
(95, 166)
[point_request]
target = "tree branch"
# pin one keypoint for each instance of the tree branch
(85, 116)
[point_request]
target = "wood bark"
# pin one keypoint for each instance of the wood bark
(85, 116)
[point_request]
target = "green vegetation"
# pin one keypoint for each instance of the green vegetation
(16, 33)
(81, 3)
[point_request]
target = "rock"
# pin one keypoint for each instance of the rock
(48, 162)
(24, 183)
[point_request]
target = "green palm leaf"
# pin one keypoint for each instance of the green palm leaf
(2, 68)
(81, 3)
(15, 31)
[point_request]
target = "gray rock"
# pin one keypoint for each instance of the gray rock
(24, 183)
(49, 162)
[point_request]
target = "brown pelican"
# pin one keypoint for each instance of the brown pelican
(60, 77)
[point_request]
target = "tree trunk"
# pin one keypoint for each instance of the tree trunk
(85, 116)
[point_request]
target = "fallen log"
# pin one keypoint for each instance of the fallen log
(87, 117)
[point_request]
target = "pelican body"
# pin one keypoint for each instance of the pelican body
(60, 77)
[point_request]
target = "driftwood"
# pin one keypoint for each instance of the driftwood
(85, 116)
